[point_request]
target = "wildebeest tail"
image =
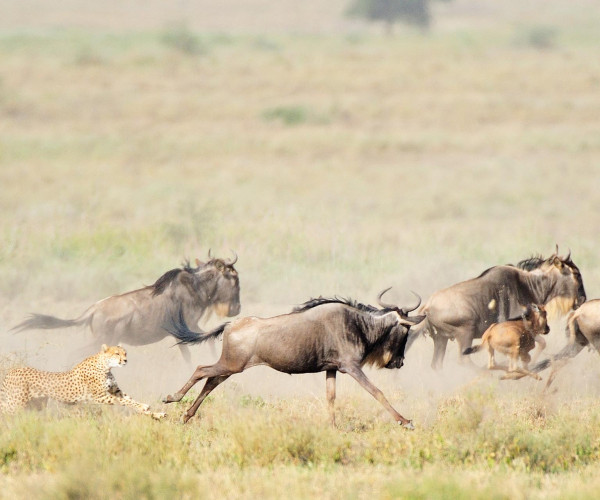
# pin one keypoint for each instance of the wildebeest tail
(415, 332)
(45, 322)
(176, 326)
(471, 350)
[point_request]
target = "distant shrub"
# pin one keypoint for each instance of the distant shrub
(265, 44)
(87, 56)
(179, 37)
(289, 115)
(414, 12)
(538, 37)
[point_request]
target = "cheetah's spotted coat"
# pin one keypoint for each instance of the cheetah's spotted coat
(89, 381)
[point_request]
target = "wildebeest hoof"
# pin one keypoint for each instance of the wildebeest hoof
(173, 399)
(409, 426)
(185, 418)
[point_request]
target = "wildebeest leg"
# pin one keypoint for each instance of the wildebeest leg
(491, 359)
(519, 373)
(540, 346)
(357, 374)
(185, 353)
(464, 342)
(557, 365)
(201, 372)
(330, 383)
(439, 350)
(211, 383)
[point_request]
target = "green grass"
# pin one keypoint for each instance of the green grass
(479, 439)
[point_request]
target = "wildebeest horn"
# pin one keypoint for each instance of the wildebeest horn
(406, 311)
(210, 257)
(566, 259)
(383, 304)
(231, 263)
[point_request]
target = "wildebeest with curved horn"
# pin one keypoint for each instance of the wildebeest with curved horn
(465, 310)
(137, 317)
(322, 334)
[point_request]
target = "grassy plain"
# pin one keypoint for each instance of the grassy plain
(334, 161)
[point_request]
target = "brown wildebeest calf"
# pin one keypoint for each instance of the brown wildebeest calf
(322, 334)
(515, 338)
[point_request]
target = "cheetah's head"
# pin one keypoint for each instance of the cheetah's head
(115, 355)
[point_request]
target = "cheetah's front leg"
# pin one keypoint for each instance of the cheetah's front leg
(125, 400)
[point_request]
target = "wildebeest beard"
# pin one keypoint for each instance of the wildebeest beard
(388, 350)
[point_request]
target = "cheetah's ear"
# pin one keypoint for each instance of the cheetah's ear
(104, 347)
(119, 344)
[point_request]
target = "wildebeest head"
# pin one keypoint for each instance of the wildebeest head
(391, 353)
(568, 291)
(221, 284)
(536, 320)
(210, 285)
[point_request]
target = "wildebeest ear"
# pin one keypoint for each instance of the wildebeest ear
(557, 262)
(199, 263)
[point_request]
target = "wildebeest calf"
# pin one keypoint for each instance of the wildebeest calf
(515, 338)
(322, 334)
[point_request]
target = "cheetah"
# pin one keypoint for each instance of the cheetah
(89, 381)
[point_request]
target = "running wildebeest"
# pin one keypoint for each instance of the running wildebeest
(137, 317)
(583, 329)
(465, 310)
(322, 334)
(515, 338)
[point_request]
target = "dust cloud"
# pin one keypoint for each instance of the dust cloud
(159, 369)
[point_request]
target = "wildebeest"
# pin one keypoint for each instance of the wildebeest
(137, 317)
(583, 329)
(465, 310)
(515, 338)
(322, 334)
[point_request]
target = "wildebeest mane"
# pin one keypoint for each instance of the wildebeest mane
(164, 281)
(161, 284)
(532, 263)
(311, 303)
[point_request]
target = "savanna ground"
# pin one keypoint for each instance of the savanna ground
(333, 160)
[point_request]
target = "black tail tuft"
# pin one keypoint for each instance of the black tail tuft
(471, 350)
(175, 324)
